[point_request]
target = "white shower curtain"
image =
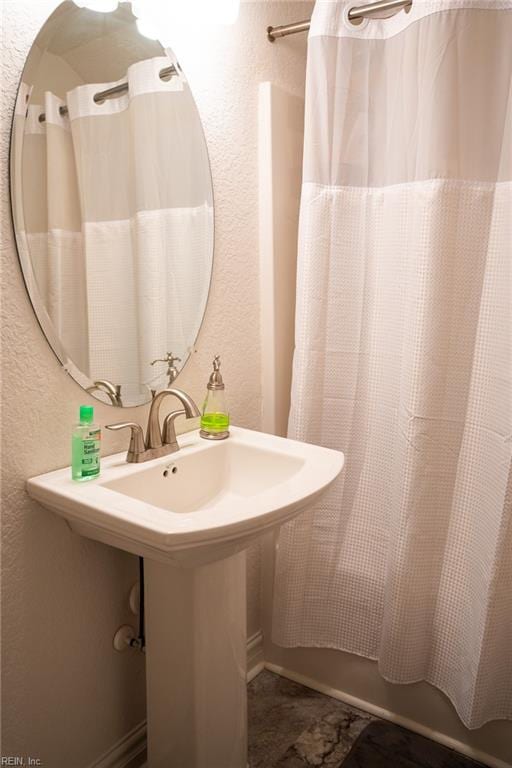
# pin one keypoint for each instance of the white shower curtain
(403, 353)
(118, 223)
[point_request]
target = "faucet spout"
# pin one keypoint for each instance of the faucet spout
(154, 432)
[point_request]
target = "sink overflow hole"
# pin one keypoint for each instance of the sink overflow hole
(168, 470)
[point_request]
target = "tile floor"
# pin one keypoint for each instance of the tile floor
(294, 727)
(291, 726)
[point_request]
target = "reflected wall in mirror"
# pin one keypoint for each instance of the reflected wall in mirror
(112, 202)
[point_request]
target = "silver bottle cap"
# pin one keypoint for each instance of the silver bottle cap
(215, 381)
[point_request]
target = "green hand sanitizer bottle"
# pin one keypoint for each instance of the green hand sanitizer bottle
(215, 416)
(85, 446)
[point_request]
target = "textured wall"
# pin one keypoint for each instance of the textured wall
(67, 696)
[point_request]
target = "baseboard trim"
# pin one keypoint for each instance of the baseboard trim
(130, 751)
(385, 714)
(255, 660)
(126, 751)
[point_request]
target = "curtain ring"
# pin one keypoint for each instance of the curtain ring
(357, 24)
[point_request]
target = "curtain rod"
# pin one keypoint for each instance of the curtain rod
(99, 98)
(355, 14)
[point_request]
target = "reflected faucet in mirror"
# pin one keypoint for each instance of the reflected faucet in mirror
(172, 371)
(157, 444)
(113, 391)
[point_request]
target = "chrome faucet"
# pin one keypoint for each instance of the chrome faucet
(113, 391)
(157, 443)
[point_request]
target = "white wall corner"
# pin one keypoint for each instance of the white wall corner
(280, 150)
(266, 256)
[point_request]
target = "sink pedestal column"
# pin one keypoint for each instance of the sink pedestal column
(196, 664)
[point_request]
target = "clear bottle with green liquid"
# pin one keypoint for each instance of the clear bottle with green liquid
(215, 414)
(85, 446)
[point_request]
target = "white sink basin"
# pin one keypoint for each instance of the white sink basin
(201, 504)
(199, 508)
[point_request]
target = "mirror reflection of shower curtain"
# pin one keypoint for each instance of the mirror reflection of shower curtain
(48, 219)
(121, 247)
(403, 355)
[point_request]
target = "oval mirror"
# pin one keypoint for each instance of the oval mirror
(112, 202)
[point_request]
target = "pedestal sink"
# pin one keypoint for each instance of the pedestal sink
(191, 516)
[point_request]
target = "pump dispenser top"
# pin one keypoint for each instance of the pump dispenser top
(216, 381)
(215, 416)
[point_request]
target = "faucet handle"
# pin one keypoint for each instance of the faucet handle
(169, 430)
(137, 446)
(169, 358)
